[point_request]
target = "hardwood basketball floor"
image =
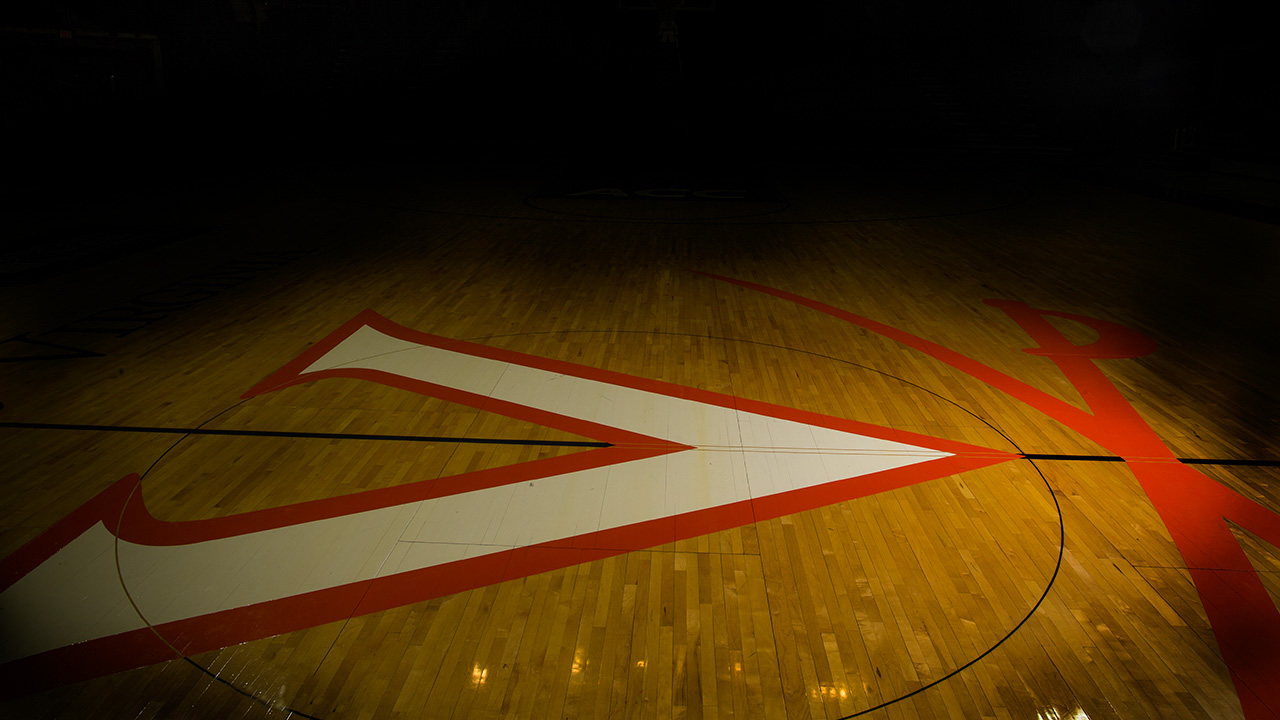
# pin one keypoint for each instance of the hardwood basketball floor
(1000, 587)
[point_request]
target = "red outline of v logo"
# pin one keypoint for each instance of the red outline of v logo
(120, 507)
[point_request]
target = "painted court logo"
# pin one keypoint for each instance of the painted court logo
(96, 593)
(672, 463)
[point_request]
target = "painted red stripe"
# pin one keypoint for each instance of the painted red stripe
(290, 375)
(193, 636)
(1193, 506)
(106, 504)
(216, 630)
(141, 527)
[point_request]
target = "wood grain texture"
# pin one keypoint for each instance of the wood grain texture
(820, 614)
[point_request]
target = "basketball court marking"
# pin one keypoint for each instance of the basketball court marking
(1192, 505)
(1195, 508)
(227, 580)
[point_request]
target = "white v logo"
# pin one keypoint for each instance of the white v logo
(680, 463)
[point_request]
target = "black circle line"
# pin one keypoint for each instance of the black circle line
(1062, 544)
(953, 673)
(528, 443)
(1062, 534)
(120, 574)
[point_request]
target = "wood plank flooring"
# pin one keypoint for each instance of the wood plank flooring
(1050, 589)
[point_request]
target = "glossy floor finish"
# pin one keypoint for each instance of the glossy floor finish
(792, 443)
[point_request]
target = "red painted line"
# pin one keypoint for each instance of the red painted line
(141, 527)
(193, 636)
(104, 507)
(1193, 506)
(122, 510)
(291, 375)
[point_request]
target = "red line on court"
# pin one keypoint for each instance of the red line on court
(123, 512)
(1194, 507)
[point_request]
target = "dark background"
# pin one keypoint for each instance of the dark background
(135, 102)
(156, 89)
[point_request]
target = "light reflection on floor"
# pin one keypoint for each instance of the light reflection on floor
(1055, 714)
